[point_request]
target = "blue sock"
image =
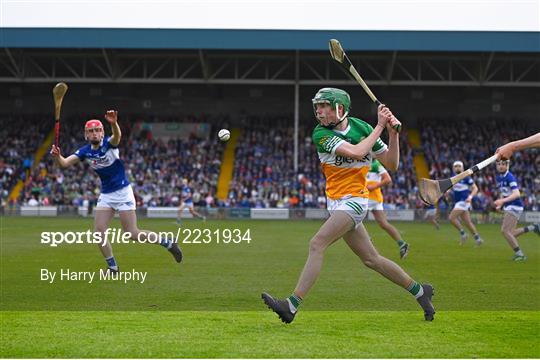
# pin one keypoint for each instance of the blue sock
(165, 243)
(111, 263)
(476, 236)
(401, 243)
(462, 232)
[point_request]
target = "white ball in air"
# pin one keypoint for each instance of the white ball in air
(224, 134)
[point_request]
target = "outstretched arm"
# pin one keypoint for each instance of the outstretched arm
(506, 151)
(62, 161)
(112, 117)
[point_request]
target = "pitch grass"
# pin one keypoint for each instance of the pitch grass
(487, 306)
(342, 334)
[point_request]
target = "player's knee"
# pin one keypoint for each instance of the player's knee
(372, 261)
(100, 229)
(317, 244)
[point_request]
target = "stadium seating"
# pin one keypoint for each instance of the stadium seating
(154, 167)
(447, 140)
(263, 173)
(17, 148)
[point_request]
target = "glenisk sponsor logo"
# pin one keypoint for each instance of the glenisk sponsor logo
(340, 160)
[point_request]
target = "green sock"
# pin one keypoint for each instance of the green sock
(416, 289)
(400, 242)
(294, 302)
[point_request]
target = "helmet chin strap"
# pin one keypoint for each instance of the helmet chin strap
(340, 119)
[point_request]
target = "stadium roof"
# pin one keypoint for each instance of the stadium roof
(505, 41)
(361, 25)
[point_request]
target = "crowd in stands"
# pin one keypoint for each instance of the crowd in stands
(447, 140)
(155, 168)
(263, 175)
(21, 135)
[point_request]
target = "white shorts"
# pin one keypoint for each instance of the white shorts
(119, 200)
(375, 205)
(188, 204)
(355, 207)
(513, 210)
(462, 205)
(430, 212)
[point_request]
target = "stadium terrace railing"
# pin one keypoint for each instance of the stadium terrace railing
(252, 213)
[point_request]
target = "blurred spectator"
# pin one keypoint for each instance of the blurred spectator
(263, 174)
(447, 140)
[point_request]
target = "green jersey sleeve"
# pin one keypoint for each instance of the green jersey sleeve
(374, 166)
(377, 167)
(379, 147)
(326, 140)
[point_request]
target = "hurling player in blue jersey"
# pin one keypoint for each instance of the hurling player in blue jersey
(511, 204)
(187, 201)
(431, 215)
(102, 154)
(463, 192)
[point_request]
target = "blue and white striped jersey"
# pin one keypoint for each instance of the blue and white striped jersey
(107, 164)
(506, 183)
(462, 189)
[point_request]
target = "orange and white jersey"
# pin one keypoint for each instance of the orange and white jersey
(374, 176)
(345, 177)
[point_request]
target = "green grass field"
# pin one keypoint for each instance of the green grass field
(209, 306)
